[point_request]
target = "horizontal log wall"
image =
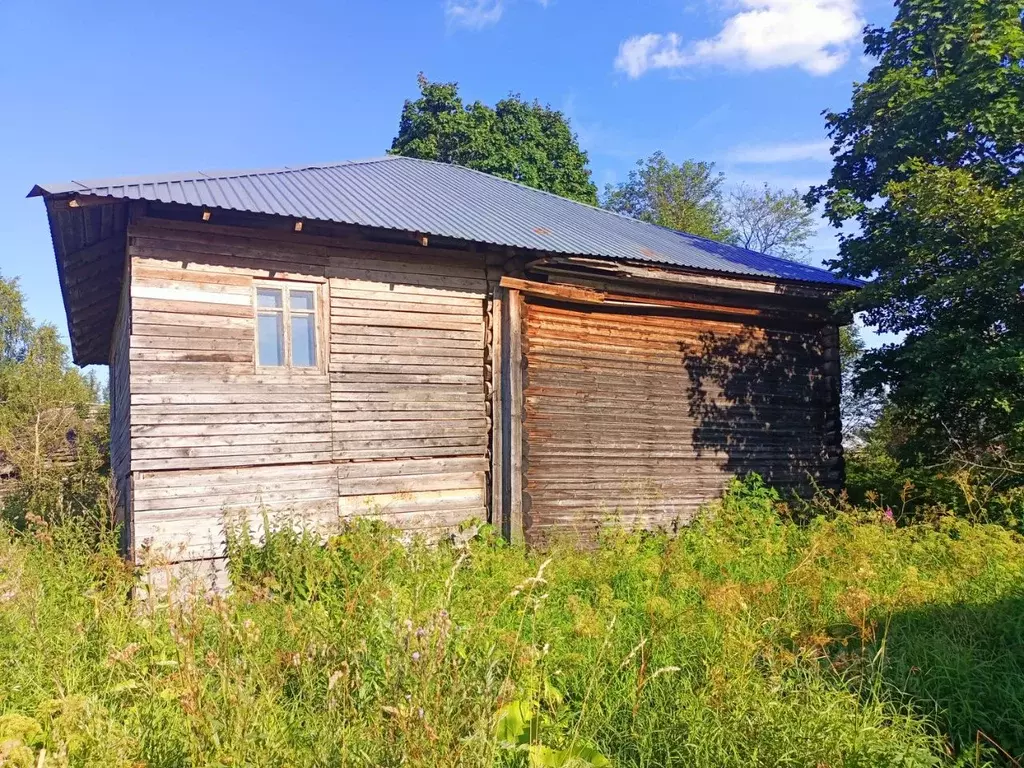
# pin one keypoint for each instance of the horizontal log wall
(183, 514)
(393, 424)
(642, 416)
(407, 388)
(120, 417)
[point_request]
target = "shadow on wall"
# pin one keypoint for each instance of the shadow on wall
(761, 400)
(963, 667)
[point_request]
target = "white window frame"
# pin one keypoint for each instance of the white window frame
(286, 287)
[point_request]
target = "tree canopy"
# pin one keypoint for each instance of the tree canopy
(515, 139)
(687, 197)
(770, 221)
(51, 438)
(928, 162)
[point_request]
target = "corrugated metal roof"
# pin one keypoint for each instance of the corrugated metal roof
(432, 198)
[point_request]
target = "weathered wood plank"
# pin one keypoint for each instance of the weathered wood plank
(406, 352)
(643, 418)
(359, 381)
(414, 501)
(407, 467)
(352, 350)
(497, 479)
(410, 483)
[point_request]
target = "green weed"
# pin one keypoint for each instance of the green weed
(745, 639)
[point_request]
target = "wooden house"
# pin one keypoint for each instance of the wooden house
(429, 344)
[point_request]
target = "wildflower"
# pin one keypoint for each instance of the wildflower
(888, 515)
(415, 655)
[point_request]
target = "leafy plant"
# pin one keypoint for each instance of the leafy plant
(686, 197)
(771, 221)
(515, 139)
(526, 726)
(746, 639)
(927, 172)
(53, 434)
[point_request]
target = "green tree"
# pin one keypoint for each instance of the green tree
(685, 197)
(15, 325)
(928, 162)
(516, 140)
(52, 437)
(859, 409)
(771, 221)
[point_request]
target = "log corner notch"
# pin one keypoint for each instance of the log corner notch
(508, 460)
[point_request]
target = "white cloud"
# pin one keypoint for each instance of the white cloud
(815, 35)
(477, 14)
(473, 14)
(785, 152)
(653, 51)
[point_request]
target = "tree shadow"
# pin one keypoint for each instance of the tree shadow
(765, 401)
(962, 666)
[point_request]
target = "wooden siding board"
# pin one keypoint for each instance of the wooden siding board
(120, 415)
(395, 422)
(407, 389)
(642, 417)
(182, 514)
(592, 410)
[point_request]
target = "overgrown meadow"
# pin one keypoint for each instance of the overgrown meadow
(746, 639)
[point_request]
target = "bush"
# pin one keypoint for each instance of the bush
(990, 492)
(747, 639)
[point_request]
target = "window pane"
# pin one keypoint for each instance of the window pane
(302, 300)
(268, 297)
(270, 339)
(303, 341)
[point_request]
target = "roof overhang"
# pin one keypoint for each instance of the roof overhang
(89, 233)
(89, 242)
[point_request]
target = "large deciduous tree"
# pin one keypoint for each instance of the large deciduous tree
(771, 221)
(517, 140)
(686, 197)
(928, 162)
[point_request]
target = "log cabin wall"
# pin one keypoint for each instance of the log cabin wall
(391, 421)
(120, 416)
(641, 415)
(408, 387)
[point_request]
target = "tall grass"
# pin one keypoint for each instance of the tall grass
(746, 639)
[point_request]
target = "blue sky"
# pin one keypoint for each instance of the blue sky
(109, 88)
